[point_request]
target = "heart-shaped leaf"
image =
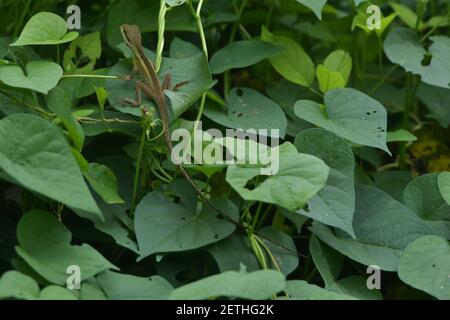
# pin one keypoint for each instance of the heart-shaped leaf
(41, 76)
(293, 63)
(315, 5)
(423, 197)
(334, 205)
(403, 47)
(119, 286)
(425, 265)
(444, 185)
(164, 226)
(34, 154)
(44, 244)
(256, 285)
(300, 177)
(248, 109)
(45, 28)
(192, 74)
(349, 114)
(241, 54)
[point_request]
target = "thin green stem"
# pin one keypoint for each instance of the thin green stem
(226, 75)
(386, 76)
(27, 105)
(94, 76)
(256, 217)
(161, 31)
(21, 19)
(137, 171)
(198, 19)
(58, 53)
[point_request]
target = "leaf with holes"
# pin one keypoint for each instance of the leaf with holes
(425, 265)
(334, 205)
(299, 177)
(248, 109)
(349, 114)
(162, 225)
(403, 47)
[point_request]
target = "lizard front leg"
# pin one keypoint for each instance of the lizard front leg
(140, 86)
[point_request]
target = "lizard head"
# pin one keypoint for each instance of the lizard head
(131, 34)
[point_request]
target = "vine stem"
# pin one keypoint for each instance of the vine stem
(137, 172)
(196, 13)
(161, 30)
(226, 75)
(90, 76)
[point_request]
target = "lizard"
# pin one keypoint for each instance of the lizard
(154, 90)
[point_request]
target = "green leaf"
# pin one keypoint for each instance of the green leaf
(400, 135)
(350, 114)
(90, 290)
(425, 265)
(408, 16)
(293, 63)
(104, 182)
(366, 253)
(44, 244)
(145, 15)
(34, 154)
(328, 79)
(335, 71)
(164, 226)
(41, 76)
(59, 103)
(360, 21)
(315, 5)
(381, 220)
(423, 197)
(193, 72)
(437, 100)
(403, 47)
(334, 205)
(102, 96)
(248, 109)
(327, 260)
(383, 227)
(356, 286)
(45, 28)
(257, 285)
(300, 177)
(301, 290)
(83, 53)
(241, 54)
(444, 185)
(236, 250)
(14, 284)
(119, 286)
(180, 49)
(56, 293)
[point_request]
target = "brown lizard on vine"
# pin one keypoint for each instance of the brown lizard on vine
(154, 90)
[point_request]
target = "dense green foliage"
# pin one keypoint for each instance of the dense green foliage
(363, 117)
